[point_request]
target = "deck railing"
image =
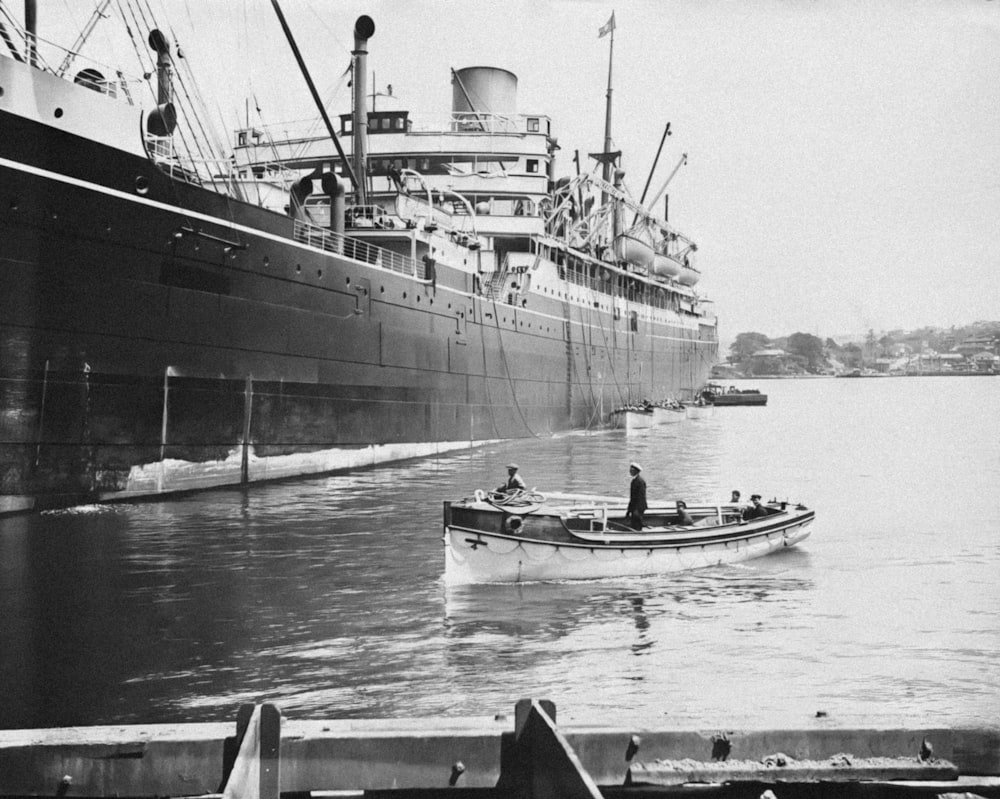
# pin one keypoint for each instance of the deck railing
(337, 243)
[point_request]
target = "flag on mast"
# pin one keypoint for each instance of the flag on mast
(607, 27)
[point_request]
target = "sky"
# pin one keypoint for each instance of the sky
(843, 168)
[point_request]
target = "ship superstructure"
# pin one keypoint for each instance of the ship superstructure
(170, 321)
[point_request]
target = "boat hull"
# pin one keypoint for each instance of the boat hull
(668, 415)
(475, 555)
(157, 336)
(665, 266)
(688, 276)
(739, 399)
(633, 421)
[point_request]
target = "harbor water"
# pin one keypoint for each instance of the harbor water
(325, 596)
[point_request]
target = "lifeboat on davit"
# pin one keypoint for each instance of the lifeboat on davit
(664, 265)
(635, 246)
(689, 275)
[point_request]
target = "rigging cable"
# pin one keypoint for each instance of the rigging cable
(506, 365)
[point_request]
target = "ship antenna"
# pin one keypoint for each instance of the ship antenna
(315, 94)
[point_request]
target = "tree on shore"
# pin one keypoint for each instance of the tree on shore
(808, 349)
(745, 345)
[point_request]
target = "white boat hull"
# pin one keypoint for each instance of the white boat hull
(668, 415)
(688, 276)
(635, 247)
(665, 266)
(477, 557)
(528, 537)
(630, 421)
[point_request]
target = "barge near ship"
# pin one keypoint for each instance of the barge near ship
(172, 320)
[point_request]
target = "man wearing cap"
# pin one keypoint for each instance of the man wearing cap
(756, 510)
(636, 497)
(514, 481)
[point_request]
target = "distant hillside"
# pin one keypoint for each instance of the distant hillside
(975, 346)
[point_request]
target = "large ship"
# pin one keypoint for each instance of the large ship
(173, 319)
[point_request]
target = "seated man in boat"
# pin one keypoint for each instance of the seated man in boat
(756, 510)
(636, 497)
(737, 514)
(514, 481)
(683, 517)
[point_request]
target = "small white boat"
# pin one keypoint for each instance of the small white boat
(631, 419)
(699, 410)
(668, 414)
(689, 276)
(665, 265)
(533, 537)
(635, 246)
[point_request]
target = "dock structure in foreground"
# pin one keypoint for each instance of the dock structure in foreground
(269, 758)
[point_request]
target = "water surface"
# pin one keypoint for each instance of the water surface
(325, 595)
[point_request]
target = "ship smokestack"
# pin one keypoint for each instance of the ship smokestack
(363, 30)
(163, 119)
(31, 30)
(334, 189)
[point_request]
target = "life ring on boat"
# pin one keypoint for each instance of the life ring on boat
(513, 525)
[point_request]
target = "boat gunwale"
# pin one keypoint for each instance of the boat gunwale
(737, 532)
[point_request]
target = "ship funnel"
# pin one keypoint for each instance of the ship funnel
(334, 189)
(363, 30)
(484, 90)
(163, 119)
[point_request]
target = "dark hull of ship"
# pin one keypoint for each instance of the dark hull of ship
(157, 337)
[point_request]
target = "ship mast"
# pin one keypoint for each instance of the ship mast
(607, 157)
(606, 171)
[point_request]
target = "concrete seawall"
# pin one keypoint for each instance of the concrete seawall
(188, 759)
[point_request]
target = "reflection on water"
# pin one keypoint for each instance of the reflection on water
(325, 596)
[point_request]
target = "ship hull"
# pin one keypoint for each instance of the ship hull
(157, 337)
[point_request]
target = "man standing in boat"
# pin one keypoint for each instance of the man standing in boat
(636, 497)
(514, 481)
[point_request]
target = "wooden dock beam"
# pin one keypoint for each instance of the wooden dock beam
(537, 762)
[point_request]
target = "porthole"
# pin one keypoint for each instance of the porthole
(319, 273)
(404, 295)
(142, 184)
(58, 113)
(267, 261)
(348, 281)
(298, 269)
